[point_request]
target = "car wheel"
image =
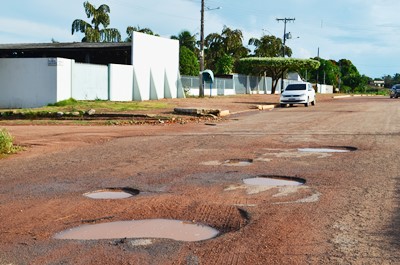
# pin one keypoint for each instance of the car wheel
(308, 103)
(314, 102)
(391, 96)
(283, 105)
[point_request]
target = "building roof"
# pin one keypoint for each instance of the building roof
(85, 52)
(65, 45)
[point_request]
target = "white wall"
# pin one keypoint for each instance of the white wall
(156, 64)
(26, 83)
(121, 82)
(89, 81)
(64, 80)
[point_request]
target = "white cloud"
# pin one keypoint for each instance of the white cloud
(366, 32)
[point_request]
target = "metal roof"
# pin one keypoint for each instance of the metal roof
(65, 45)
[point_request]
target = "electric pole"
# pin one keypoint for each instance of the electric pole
(285, 36)
(201, 87)
(285, 20)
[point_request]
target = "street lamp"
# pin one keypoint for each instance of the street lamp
(203, 8)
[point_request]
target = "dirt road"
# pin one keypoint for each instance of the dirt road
(347, 212)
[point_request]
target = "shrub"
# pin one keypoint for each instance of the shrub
(63, 103)
(6, 142)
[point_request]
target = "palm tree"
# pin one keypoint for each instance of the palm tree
(187, 39)
(130, 30)
(92, 31)
(228, 43)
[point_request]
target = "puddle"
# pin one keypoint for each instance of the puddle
(112, 193)
(151, 228)
(339, 149)
(274, 181)
(238, 162)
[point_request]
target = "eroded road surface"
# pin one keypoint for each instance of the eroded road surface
(344, 208)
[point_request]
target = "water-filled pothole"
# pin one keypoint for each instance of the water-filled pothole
(329, 149)
(150, 228)
(238, 162)
(112, 193)
(274, 181)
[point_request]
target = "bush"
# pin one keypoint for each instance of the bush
(6, 142)
(63, 103)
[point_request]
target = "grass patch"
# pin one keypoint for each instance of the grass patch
(71, 105)
(6, 143)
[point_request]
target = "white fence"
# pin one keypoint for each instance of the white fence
(30, 83)
(239, 84)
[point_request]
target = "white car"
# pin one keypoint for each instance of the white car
(301, 93)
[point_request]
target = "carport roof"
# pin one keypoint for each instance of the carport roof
(65, 45)
(85, 52)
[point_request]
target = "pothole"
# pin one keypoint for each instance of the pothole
(112, 193)
(274, 181)
(329, 149)
(150, 228)
(238, 162)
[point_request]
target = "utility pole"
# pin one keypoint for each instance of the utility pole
(285, 36)
(201, 87)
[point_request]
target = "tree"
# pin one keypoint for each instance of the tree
(391, 80)
(274, 67)
(187, 39)
(350, 75)
(269, 46)
(224, 65)
(229, 42)
(130, 30)
(188, 63)
(92, 31)
(328, 73)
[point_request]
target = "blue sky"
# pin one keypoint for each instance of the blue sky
(367, 32)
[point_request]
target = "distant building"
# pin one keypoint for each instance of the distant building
(378, 83)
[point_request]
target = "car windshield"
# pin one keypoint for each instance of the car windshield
(296, 87)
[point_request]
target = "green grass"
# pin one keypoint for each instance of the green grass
(104, 105)
(101, 106)
(6, 143)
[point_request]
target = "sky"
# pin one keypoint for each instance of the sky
(366, 32)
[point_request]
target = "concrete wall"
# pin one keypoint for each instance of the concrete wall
(89, 82)
(64, 80)
(120, 82)
(29, 83)
(325, 89)
(156, 64)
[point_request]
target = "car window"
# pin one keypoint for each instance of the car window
(296, 87)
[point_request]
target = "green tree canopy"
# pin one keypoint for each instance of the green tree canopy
(350, 75)
(224, 65)
(93, 32)
(274, 67)
(229, 42)
(187, 39)
(188, 63)
(391, 80)
(269, 46)
(130, 30)
(327, 73)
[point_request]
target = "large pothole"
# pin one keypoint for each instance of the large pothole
(274, 181)
(112, 193)
(329, 149)
(150, 228)
(238, 162)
